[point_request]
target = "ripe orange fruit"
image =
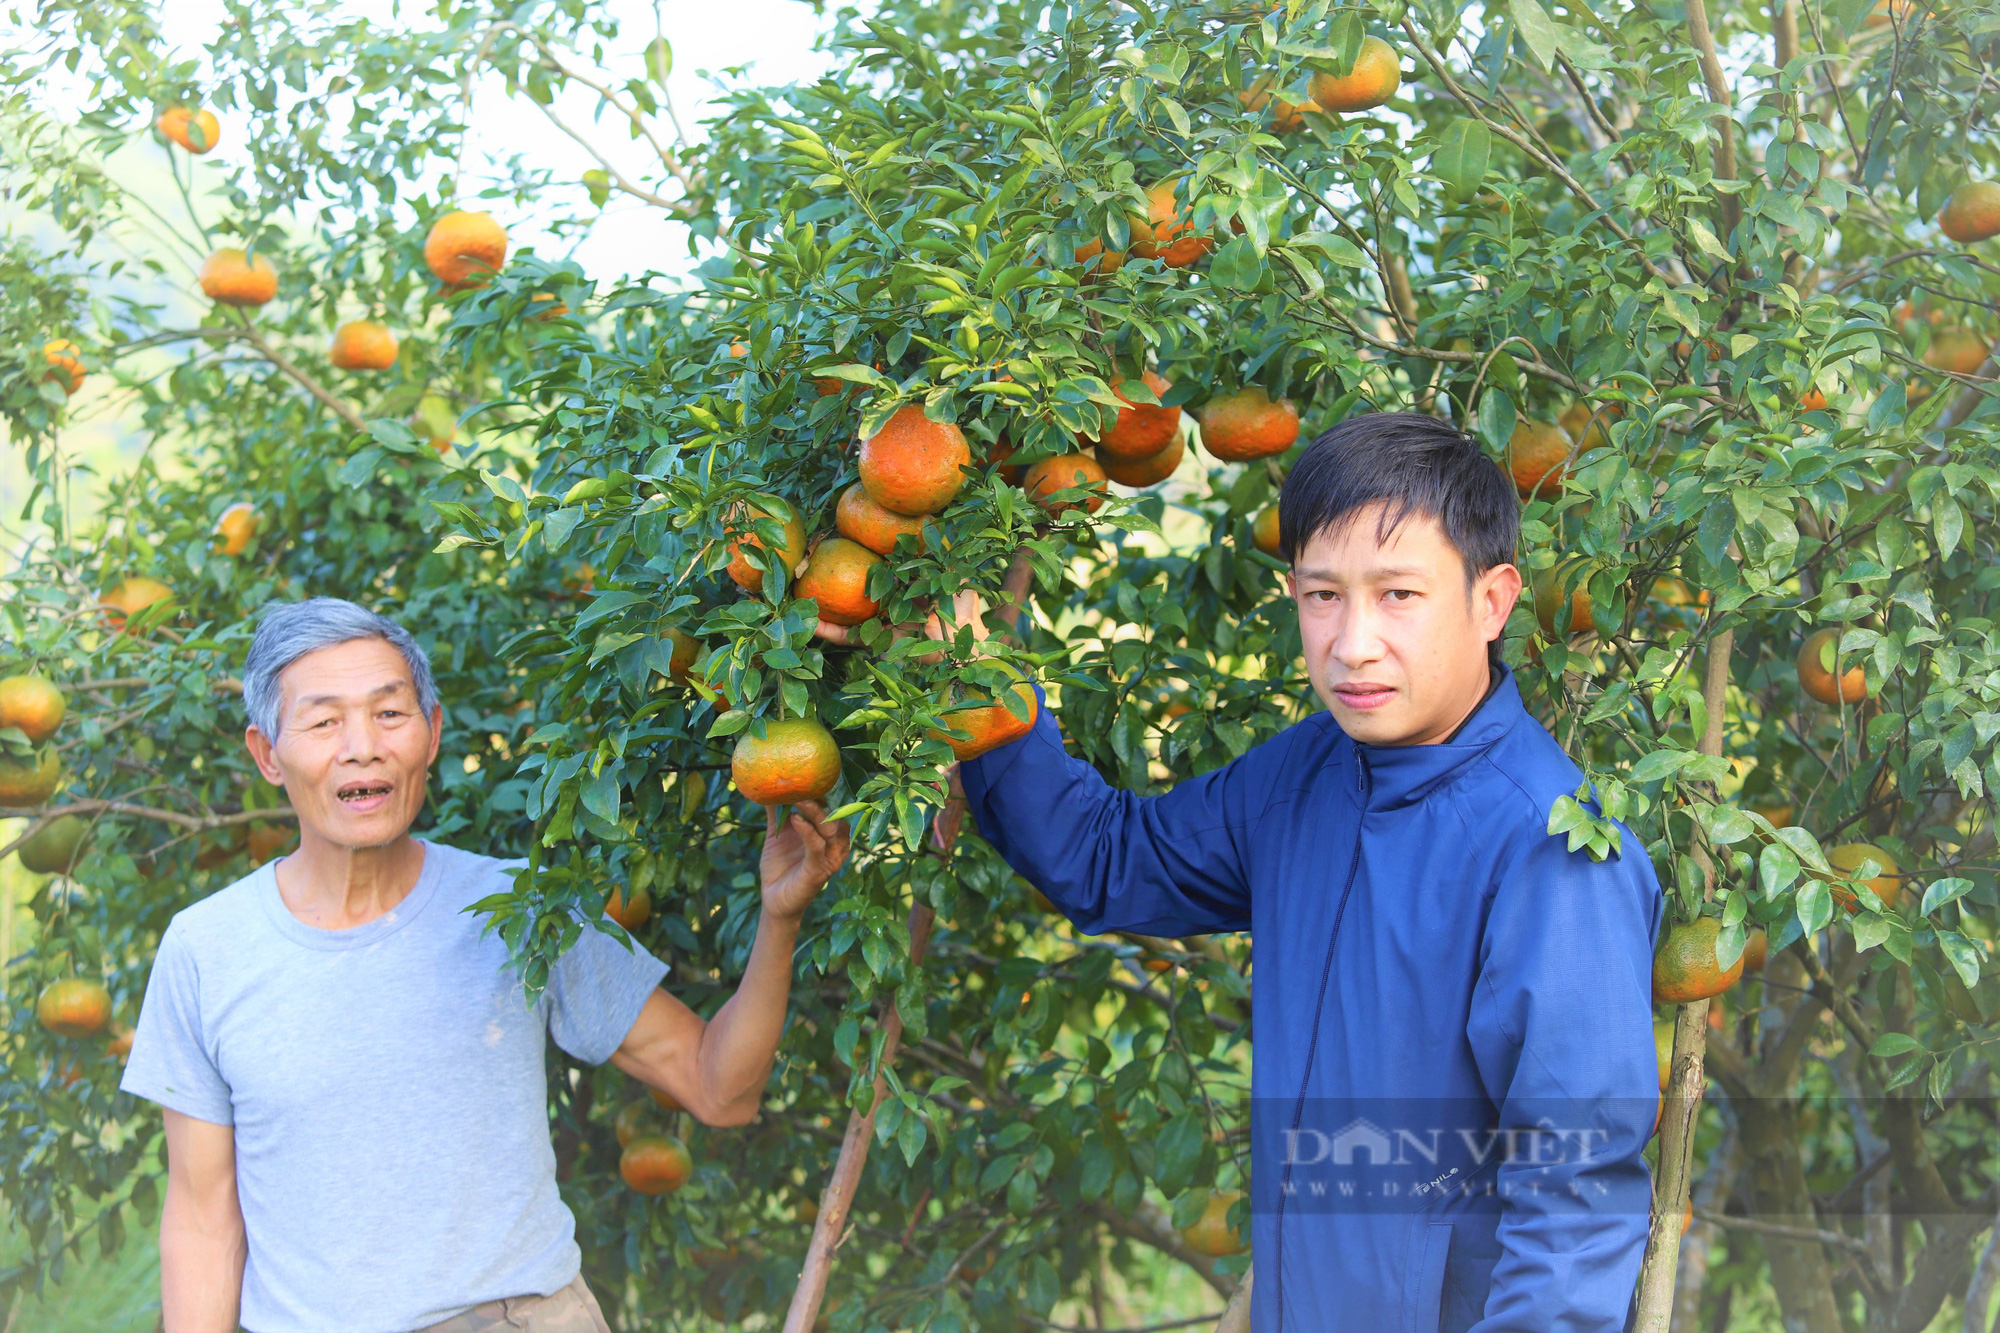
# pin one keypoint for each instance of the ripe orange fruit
(1685, 967)
(1547, 590)
(997, 455)
(235, 278)
(235, 528)
(29, 782)
(634, 1120)
(1286, 117)
(65, 365)
(1779, 814)
(1061, 473)
(1812, 400)
(655, 1164)
(1587, 426)
(664, 1100)
(1211, 1233)
(74, 1008)
(196, 131)
(1815, 665)
(465, 249)
(1376, 75)
(1140, 430)
(363, 344)
(860, 519)
(914, 465)
(630, 915)
(988, 724)
(795, 760)
(268, 842)
(1537, 454)
(1958, 351)
(1887, 12)
(1264, 531)
(1149, 470)
(1246, 424)
(1167, 232)
(1157, 965)
(746, 575)
(1848, 857)
(33, 704)
(132, 596)
(686, 651)
(1972, 214)
(1110, 263)
(837, 578)
(1908, 311)
(543, 307)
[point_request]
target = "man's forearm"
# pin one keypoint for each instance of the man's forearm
(201, 1269)
(741, 1041)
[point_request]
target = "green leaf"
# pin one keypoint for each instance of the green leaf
(1777, 868)
(1962, 954)
(1727, 824)
(1705, 238)
(1538, 30)
(1891, 1044)
(659, 60)
(1237, 266)
(1944, 891)
(1461, 158)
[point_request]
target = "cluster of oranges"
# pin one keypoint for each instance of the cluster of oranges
(1376, 76)
(463, 249)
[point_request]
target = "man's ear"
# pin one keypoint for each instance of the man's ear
(1498, 589)
(259, 745)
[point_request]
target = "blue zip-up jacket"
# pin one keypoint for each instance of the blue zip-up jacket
(1454, 1074)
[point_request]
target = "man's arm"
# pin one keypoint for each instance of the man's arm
(1166, 865)
(202, 1246)
(717, 1069)
(1561, 1027)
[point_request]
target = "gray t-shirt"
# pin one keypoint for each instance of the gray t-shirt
(387, 1088)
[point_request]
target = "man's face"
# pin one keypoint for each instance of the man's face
(1394, 642)
(352, 748)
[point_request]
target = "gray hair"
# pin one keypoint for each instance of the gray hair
(288, 631)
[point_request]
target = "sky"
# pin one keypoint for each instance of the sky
(774, 39)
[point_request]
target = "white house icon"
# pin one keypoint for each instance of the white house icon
(1366, 1137)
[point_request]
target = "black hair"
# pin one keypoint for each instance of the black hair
(1413, 465)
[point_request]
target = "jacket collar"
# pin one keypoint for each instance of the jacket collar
(1397, 775)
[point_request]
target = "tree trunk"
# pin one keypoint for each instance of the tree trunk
(1774, 1181)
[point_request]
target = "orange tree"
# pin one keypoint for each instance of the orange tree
(1714, 288)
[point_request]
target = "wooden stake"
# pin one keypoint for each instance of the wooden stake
(1685, 1081)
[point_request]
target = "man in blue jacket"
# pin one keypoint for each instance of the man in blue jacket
(1454, 1074)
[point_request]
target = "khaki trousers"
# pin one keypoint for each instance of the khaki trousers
(572, 1310)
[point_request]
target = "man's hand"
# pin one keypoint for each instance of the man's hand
(718, 1069)
(800, 857)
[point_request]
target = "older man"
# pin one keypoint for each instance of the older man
(356, 1109)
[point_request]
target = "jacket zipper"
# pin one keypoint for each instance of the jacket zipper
(1362, 786)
